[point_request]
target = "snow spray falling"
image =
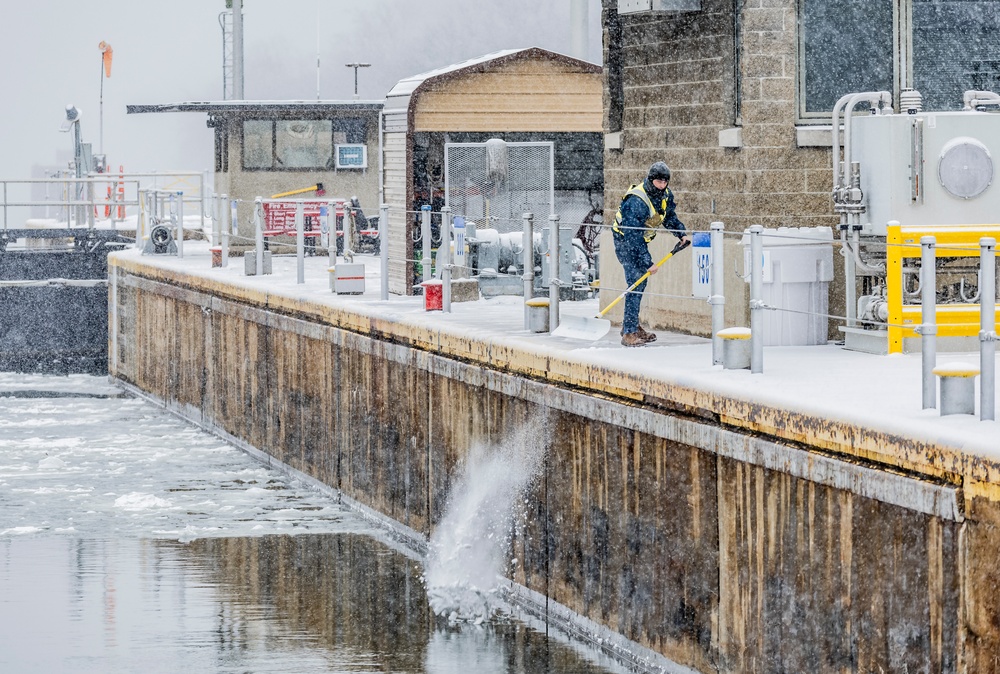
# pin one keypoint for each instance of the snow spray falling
(469, 548)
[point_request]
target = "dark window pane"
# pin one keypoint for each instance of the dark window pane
(956, 47)
(847, 47)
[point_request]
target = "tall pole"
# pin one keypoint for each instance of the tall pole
(238, 50)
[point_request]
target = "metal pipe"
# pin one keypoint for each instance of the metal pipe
(928, 326)
(717, 298)
(383, 249)
(756, 301)
(835, 144)
(873, 98)
(425, 242)
(224, 230)
(553, 272)
(444, 259)
(528, 261)
(850, 282)
(987, 328)
(300, 241)
(258, 233)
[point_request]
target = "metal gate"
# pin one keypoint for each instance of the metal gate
(495, 182)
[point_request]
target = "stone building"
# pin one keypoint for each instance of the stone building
(736, 97)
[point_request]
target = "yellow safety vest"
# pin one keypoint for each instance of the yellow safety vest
(655, 219)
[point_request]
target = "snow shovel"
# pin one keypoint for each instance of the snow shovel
(592, 329)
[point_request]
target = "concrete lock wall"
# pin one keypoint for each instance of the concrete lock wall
(716, 548)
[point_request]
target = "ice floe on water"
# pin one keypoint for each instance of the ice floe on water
(77, 464)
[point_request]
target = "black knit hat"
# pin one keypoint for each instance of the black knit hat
(659, 171)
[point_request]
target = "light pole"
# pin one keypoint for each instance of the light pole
(356, 66)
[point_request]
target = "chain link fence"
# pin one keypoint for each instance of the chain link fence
(495, 182)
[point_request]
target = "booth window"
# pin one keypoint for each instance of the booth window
(939, 48)
(297, 144)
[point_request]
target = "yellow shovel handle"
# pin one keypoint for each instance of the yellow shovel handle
(681, 245)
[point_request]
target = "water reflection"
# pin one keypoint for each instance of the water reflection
(307, 603)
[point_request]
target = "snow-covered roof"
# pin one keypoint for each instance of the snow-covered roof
(254, 106)
(399, 96)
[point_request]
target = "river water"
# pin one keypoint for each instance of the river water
(131, 541)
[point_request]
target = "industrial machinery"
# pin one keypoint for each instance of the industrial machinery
(904, 174)
(497, 259)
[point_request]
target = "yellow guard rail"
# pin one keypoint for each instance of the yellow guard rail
(953, 320)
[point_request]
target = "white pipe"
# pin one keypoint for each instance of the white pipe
(835, 143)
(972, 99)
(873, 98)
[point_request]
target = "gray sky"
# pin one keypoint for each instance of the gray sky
(169, 52)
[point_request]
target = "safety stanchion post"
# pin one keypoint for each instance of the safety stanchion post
(528, 260)
(756, 299)
(177, 216)
(928, 320)
(258, 227)
(554, 282)
(383, 249)
(300, 241)
(717, 299)
(425, 242)
(444, 259)
(987, 328)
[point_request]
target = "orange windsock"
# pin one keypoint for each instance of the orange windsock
(106, 51)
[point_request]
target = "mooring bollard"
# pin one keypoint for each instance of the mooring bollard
(537, 310)
(958, 388)
(735, 348)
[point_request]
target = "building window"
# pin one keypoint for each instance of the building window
(258, 144)
(941, 48)
(297, 144)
